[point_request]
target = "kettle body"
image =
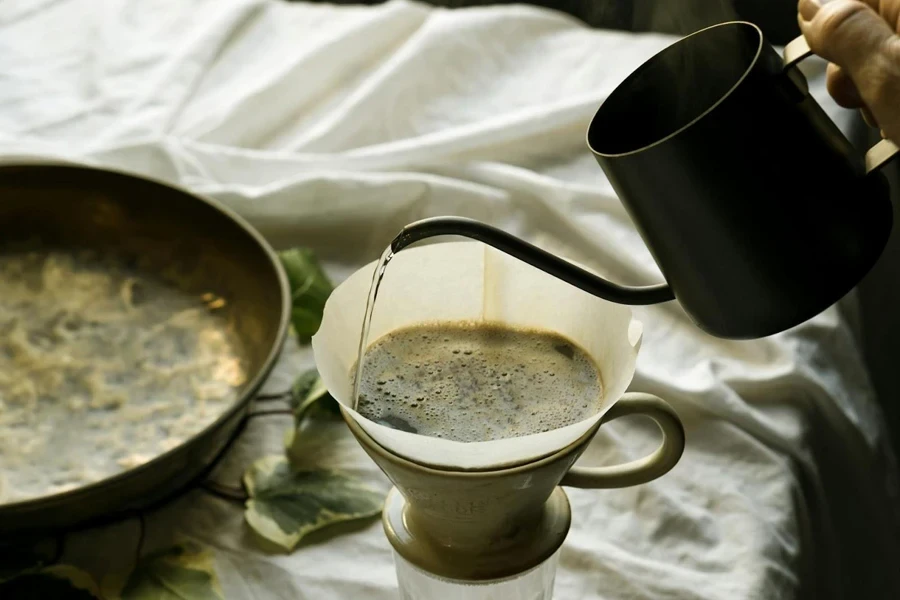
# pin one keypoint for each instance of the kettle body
(757, 209)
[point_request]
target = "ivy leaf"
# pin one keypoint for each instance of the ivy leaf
(308, 389)
(310, 288)
(59, 582)
(286, 504)
(183, 572)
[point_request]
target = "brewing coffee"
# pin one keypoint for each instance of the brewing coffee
(476, 382)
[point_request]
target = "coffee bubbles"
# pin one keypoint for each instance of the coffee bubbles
(477, 382)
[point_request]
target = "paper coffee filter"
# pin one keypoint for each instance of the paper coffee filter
(469, 281)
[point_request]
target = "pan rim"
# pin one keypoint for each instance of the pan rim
(250, 390)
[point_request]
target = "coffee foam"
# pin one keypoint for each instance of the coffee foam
(474, 382)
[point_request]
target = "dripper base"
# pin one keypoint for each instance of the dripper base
(533, 541)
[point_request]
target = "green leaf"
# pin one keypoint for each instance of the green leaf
(310, 289)
(308, 389)
(184, 572)
(59, 582)
(286, 504)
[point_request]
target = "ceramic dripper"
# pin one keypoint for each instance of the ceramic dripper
(487, 511)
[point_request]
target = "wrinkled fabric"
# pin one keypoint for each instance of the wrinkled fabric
(331, 127)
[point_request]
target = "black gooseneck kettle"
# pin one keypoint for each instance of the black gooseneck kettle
(756, 208)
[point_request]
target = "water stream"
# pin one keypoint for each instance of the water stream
(377, 276)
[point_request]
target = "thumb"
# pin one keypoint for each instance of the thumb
(851, 34)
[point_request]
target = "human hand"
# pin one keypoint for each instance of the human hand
(860, 40)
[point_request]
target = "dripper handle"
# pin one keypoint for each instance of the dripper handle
(642, 470)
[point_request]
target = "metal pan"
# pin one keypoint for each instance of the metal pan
(77, 207)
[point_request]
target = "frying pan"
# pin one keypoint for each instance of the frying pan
(72, 207)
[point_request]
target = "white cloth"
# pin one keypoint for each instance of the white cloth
(331, 127)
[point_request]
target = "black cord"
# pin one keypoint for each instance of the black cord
(141, 534)
(59, 548)
(225, 492)
(274, 411)
(272, 397)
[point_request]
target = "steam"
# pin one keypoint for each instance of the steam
(681, 17)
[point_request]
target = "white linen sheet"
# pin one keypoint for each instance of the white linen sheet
(331, 127)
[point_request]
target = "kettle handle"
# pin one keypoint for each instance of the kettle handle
(879, 154)
(642, 470)
(531, 254)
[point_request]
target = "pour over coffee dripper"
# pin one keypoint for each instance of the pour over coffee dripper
(758, 211)
(483, 520)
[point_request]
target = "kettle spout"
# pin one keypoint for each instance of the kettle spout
(531, 254)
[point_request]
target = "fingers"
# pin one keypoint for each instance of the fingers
(852, 35)
(844, 92)
(842, 88)
(846, 32)
(869, 118)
